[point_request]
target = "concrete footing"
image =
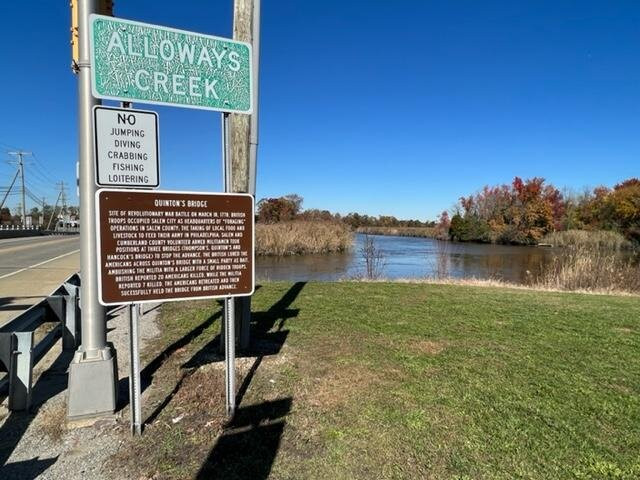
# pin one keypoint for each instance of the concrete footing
(93, 384)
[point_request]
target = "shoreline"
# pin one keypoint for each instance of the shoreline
(483, 283)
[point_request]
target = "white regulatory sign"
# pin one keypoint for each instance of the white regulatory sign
(126, 147)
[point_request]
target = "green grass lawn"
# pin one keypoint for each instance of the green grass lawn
(384, 380)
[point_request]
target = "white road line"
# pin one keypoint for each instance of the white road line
(38, 264)
(24, 244)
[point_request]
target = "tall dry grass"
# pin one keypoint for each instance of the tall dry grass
(302, 237)
(581, 267)
(601, 239)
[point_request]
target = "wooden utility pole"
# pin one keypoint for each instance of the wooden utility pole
(243, 136)
(240, 125)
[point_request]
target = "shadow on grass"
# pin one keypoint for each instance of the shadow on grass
(265, 340)
(249, 444)
(147, 373)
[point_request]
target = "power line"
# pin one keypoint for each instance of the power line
(40, 166)
(8, 147)
(36, 188)
(41, 177)
(34, 195)
(6, 168)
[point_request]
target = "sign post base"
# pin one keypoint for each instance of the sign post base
(93, 384)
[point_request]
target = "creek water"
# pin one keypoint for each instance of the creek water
(415, 258)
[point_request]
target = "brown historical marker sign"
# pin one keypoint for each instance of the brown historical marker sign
(156, 245)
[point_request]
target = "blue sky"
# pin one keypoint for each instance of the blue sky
(380, 107)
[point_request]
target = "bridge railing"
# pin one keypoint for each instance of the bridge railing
(18, 351)
(19, 227)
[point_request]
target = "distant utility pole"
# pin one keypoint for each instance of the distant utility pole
(9, 189)
(243, 133)
(20, 161)
(63, 197)
(53, 213)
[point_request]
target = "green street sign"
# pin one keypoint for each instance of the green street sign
(138, 62)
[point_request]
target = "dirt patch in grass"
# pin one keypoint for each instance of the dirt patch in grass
(621, 389)
(429, 347)
(624, 329)
(340, 385)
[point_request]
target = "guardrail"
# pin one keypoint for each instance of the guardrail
(17, 231)
(63, 231)
(18, 354)
(19, 227)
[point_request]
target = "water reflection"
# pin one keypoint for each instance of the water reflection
(407, 257)
(306, 267)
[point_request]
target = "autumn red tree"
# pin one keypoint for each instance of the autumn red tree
(522, 213)
(272, 210)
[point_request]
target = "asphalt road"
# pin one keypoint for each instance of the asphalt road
(32, 267)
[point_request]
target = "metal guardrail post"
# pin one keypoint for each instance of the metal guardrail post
(56, 304)
(18, 354)
(20, 371)
(71, 316)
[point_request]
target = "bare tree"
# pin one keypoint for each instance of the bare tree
(374, 260)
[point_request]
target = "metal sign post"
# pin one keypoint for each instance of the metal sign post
(230, 356)
(93, 376)
(228, 329)
(134, 369)
(135, 309)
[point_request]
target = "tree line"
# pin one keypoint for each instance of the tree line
(289, 208)
(525, 211)
(520, 213)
